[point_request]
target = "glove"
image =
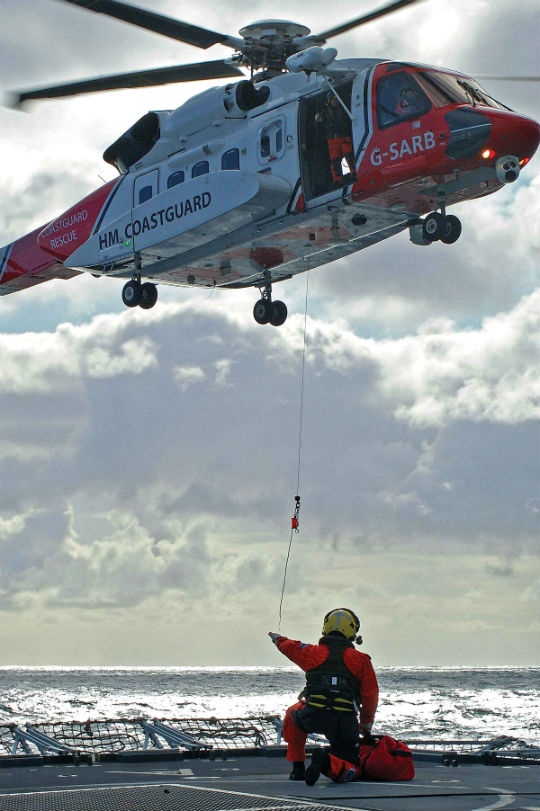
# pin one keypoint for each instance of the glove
(274, 637)
(368, 737)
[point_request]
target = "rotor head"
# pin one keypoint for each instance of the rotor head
(269, 43)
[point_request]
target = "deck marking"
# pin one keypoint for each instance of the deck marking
(505, 798)
(176, 773)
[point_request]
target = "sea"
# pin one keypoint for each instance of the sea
(416, 703)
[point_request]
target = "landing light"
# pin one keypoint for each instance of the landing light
(488, 153)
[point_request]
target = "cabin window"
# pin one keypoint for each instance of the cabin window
(175, 179)
(230, 159)
(201, 168)
(271, 141)
(265, 146)
(145, 187)
(145, 194)
(400, 98)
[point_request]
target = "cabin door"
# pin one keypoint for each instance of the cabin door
(326, 141)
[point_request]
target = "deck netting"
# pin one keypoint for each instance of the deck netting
(115, 736)
(128, 735)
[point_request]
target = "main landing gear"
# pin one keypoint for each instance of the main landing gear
(267, 311)
(142, 295)
(443, 226)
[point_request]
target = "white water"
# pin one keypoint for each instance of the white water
(435, 703)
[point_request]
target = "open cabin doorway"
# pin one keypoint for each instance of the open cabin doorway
(326, 144)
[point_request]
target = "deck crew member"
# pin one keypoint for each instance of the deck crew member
(340, 680)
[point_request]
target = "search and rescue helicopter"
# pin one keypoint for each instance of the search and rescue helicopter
(309, 159)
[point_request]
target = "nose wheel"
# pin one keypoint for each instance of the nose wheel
(441, 226)
(267, 311)
(452, 231)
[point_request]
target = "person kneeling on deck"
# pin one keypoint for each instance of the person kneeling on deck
(339, 681)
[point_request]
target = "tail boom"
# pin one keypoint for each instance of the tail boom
(23, 264)
(39, 256)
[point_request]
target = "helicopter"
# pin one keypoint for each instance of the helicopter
(308, 159)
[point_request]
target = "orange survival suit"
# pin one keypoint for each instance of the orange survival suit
(338, 134)
(332, 712)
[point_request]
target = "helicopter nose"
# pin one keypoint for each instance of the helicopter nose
(514, 134)
(530, 135)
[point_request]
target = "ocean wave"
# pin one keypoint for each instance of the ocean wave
(464, 703)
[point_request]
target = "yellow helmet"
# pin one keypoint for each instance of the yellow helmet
(342, 620)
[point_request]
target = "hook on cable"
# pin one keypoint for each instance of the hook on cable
(295, 521)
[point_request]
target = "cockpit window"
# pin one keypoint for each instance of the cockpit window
(451, 89)
(399, 98)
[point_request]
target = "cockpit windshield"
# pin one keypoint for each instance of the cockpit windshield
(447, 88)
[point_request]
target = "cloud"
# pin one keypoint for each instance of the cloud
(118, 418)
(479, 375)
(41, 363)
(186, 376)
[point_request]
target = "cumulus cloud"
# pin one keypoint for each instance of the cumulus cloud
(186, 376)
(487, 374)
(45, 362)
(153, 441)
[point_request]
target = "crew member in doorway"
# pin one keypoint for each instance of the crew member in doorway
(340, 681)
(338, 134)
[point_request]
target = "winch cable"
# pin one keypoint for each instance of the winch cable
(295, 519)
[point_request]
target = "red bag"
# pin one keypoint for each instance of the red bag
(386, 760)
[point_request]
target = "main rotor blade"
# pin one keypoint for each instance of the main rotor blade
(509, 78)
(366, 18)
(218, 69)
(159, 23)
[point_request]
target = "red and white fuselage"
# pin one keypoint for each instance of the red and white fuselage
(218, 195)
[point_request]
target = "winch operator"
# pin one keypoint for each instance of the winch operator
(340, 681)
(339, 139)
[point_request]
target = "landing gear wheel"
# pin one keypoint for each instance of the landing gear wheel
(131, 293)
(148, 295)
(278, 313)
(262, 311)
(453, 230)
(434, 226)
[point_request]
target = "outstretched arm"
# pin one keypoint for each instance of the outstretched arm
(304, 655)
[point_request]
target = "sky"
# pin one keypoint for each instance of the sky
(148, 459)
